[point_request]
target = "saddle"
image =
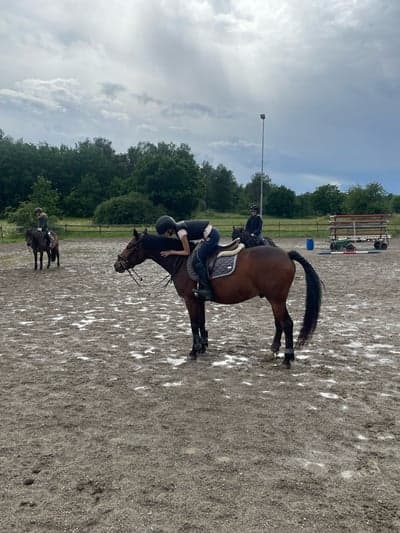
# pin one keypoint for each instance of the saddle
(220, 264)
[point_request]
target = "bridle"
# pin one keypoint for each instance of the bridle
(138, 279)
(131, 270)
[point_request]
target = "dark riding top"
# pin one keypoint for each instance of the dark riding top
(254, 225)
(195, 229)
(43, 222)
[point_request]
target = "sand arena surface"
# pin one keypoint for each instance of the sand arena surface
(105, 427)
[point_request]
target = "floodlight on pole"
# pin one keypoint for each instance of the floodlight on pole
(262, 117)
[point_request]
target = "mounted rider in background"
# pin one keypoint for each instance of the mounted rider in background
(254, 223)
(43, 224)
(192, 230)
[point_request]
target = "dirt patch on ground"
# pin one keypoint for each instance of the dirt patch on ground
(105, 427)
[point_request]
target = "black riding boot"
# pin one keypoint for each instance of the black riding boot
(204, 291)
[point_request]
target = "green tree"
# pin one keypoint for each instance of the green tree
(368, 200)
(304, 205)
(169, 176)
(23, 216)
(222, 189)
(133, 208)
(395, 203)
(252, 190)
(281, 202)
(83, 199)
(327, 199)
(44, 196)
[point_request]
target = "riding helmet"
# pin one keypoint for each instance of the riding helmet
(38, 210)
(254, 207)
(165, 223)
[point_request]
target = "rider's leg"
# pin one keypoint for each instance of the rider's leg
(204, 291)
(207, 248)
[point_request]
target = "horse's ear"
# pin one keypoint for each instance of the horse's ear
(135, 234)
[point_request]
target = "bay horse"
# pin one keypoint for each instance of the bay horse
(36, 240)
(264, 271)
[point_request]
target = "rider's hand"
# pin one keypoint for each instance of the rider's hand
(165, 253)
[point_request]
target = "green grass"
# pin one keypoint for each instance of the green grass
(82, 228)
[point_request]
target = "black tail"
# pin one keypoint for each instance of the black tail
(313, 299)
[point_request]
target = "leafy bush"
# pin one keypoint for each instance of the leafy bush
(24, 217)
(133, 208)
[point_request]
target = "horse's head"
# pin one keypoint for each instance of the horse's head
(236, 232)
(133, 254)
(29, 237)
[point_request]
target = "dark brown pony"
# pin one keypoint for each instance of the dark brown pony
(263, 271)
(36, 240)
(238, 232)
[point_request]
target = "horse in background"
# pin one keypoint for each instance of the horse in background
(250, 240)
(36, 240)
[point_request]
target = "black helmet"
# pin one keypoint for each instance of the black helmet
(254, 207)
(165, 223)
(38, 210)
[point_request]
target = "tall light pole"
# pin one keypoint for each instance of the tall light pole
(262, 117)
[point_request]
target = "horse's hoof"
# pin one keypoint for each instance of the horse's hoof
(192, 356)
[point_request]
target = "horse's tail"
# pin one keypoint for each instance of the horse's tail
(313, 299)
(53, 253)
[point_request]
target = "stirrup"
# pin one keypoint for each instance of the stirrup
(203, 294)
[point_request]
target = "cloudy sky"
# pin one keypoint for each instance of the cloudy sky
(325, 72)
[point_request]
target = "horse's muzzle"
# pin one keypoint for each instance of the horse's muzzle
(119, 267)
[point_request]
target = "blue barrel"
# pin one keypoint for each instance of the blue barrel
(310, 244)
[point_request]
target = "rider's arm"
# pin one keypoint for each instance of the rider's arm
(186, 248)
(259, 227)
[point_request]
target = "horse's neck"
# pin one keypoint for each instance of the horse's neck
(171, 264)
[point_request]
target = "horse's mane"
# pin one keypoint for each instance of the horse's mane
(157, 243)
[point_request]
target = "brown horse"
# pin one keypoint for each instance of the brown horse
(36, 240)
(263, 271)
(250, 240)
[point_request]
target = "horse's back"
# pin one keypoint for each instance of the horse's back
(264, 271)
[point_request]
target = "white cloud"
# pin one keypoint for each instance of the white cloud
(326, 73)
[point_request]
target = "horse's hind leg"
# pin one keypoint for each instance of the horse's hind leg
(283, 323)
(48, 259)
(276, 343)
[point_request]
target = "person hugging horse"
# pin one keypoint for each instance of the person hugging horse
(192, 230)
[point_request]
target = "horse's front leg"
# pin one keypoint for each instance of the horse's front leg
(48, 259)
(35, 259)
(41, 260)
(196, 310)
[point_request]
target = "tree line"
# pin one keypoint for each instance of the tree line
(92, 180)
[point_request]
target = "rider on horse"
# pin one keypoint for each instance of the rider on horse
(254, 223)
(43, 222)
(192, 230)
